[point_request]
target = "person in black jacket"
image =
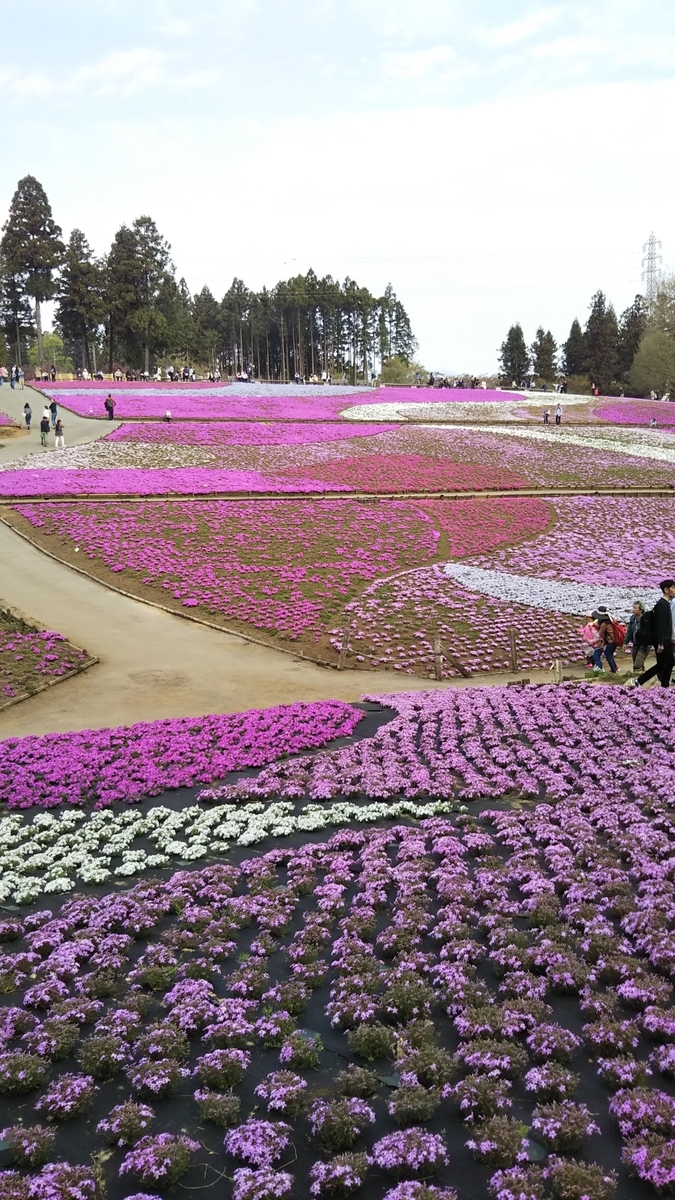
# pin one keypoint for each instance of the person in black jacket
(663, 638)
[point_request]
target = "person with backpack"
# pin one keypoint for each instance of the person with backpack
(634, 642)
(606, 643)
(44, 429)
(659, 628)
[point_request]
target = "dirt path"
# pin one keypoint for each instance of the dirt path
(155, 665)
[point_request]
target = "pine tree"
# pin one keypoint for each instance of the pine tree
(31, 246)
(154, 268)
(513, 355)
(543, 351)
(574, 351)
(601, 336)
(632, 325)
(80, 308)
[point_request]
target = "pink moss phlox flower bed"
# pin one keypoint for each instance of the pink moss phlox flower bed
(27, 656)
(5, 420)
(527, 741)
(394, 622)
(241, 433)
(104, 766)
(636, 412)
(282, 566)
(255, 402)
(138, 482)
(478, 525)
(409, 472)
(643, 543)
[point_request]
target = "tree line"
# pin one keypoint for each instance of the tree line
(128, 309)
(634, 351)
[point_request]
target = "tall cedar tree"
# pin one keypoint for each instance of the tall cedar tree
(514, 357)
(543, 351)
(154, 268)
(632, 325)
(16, 318)
(602, 335)
(574, 351)
(80, 308)
(31, 246)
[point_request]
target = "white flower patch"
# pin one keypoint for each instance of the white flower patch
(432, 411)
(635, 442)
(574, 598)
(53, 853)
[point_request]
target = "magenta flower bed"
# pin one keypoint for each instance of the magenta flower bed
(104, 766)
(5, 420)
(134, 481)
(642, 543)
(475, 526)
(409, 472)
(242, 433)
(263, 402)
(282, 566)
(636, 412)
(28, 659)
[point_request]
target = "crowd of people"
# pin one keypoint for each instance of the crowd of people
(50, 422)
(646, 631)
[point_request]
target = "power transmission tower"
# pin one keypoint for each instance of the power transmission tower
(651, 264)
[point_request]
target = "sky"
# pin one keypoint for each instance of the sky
(495, 160)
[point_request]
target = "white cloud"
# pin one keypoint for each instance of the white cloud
(118, 73)
(515, 32)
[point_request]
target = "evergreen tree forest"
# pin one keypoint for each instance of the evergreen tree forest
(128, 309)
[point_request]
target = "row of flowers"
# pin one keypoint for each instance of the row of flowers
(101, 767)
(51, 855)
(449, 957)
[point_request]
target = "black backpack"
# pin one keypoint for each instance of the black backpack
(645, 634)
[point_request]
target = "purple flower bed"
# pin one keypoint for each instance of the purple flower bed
(5, 420)
(537, 742)
(643, 543)
(105, 766)
(448, 927)
(636, 412)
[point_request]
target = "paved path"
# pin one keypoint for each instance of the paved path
(78, 430)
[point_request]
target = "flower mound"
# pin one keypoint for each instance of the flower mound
(161, 1160)
(410, 1152)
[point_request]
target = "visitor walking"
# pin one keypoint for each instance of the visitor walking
(44, 429)
(109, 405)
(558, 413)
(661, 623)
(20, 377)
(606, 643)
(53, 412)
(547, 414)
(12, 377)
(27, 414)
(634, 644)
(167, 416)
(59, 436)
